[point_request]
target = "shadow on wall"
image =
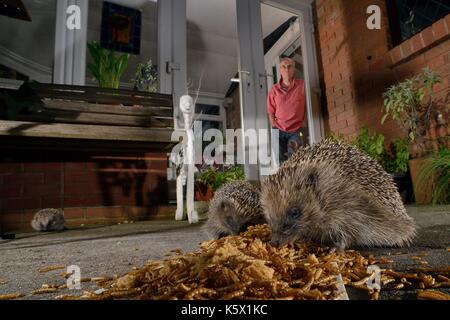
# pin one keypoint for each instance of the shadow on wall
(132, 182)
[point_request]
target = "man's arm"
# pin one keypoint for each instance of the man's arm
(272, 119)
(271, 109)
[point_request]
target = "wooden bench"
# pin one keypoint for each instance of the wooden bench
(95, 114)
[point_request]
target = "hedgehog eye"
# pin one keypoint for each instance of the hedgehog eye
(294, 212)
(312, 179)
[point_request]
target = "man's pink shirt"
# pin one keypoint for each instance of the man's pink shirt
(288, 106)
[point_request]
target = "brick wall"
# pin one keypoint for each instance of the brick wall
(91, 187)
(358, 64)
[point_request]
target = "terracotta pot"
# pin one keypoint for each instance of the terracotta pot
(203, 193)
(423, 193)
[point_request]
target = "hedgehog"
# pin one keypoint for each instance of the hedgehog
(333, 194)
(234, 207)
(48, 220)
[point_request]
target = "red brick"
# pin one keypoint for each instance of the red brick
(345, 115)
(437, 62)
(23, 178)
(10, 167)
(440, 29)
(339, 125)
(352, 121)
(427, 36)
(135, 213)
(42, 190)
(447, 21)
(406, 48)
(74, 166)
(81, 177)
(51, 202)
(15, 227)
(80, 189)
(104, 212)
(42, 166)
(10, 191)
(75, 223)
(23, 203)
(119, 199)
(348, 130)
(52, 177)
(396, 55)
(11, 217)
(74, 213)
(83, 201)
(416, 42)
(28, 215)
(91, 165)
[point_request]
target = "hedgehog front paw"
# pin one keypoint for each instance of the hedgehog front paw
(339, 247)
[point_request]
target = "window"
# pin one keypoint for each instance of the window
(207, 109)
(409, 17)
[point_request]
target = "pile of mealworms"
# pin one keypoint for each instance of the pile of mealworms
(247, 267)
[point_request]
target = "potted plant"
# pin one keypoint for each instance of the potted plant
(146, 77)
(437, 170)
(372, 145)
(209, 180)
(107, 68)
(396, 163)
(410, 103)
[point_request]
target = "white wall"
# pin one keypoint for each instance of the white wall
(32, 41)
(148, 36)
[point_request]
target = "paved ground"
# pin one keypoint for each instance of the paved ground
(105, 251)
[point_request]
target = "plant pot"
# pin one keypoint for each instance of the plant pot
(404, 186)
(423, 193)
(203, 192)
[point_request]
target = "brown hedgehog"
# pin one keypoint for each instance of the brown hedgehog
(234, 207)
(48, 220)
(334, 194)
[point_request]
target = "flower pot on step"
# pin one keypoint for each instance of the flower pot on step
(422, 191)
(404, 186)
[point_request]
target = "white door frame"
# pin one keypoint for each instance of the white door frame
(172, 52)
(303, 9)
(252, 85)
(70, 45)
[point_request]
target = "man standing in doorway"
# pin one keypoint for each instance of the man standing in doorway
(286, 108)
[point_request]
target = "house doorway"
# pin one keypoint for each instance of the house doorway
(262, 42)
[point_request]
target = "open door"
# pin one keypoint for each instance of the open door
(258, 72)
(253, 84)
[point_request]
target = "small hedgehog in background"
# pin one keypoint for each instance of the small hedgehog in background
(234, 207)
(334, 194)
(48, 220)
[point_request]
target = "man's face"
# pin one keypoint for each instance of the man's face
(287, 69)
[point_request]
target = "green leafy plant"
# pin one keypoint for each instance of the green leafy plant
(336, 137)
(107, 67)
(215, 178)
(397, 161)
(406, 103)
(146, 77)
(372, 145)
(437, 169)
